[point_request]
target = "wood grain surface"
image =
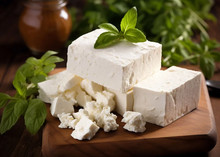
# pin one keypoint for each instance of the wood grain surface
(193, 133)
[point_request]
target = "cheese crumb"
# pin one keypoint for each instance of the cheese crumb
(67, 120)
(60, 105)
(134, 121)
(85, 129)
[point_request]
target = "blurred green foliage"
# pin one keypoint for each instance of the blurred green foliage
(173, 23)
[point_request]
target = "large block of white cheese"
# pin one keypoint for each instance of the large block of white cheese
(118, 67)
(167, 95)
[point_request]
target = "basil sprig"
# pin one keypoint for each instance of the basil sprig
(128, 31)
(24, 102)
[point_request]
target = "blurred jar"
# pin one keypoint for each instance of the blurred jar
(45, 25)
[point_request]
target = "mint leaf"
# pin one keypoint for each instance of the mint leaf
(10, 116)
(135, 35)
(106, 39)
(47, 55)
(3, 99)
(35, 115)
(129, 20)
(109, 27)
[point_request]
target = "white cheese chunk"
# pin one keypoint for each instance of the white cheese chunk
(91, 87)
(82, 98)
(134, 121)
(80, 114)
(106, 99)
(68, 82)
(167, 95)
(118, 67)
(67, 120)
(124, 101)
(85, 129)
(93, 109)
(48, 90)
(107, 120)
(60, 105)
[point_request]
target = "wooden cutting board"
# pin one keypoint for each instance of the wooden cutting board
(193, 133)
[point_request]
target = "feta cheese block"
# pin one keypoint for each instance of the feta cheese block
(118, 67)
(124, 101)
(85, 129)
(60, 105)
(134, 121)
(167, 95)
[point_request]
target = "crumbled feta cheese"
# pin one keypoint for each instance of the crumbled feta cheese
(85, 129)
(91, 87)
(80, 114)
(134, 121)
(82, 98)
(48, 90)
(60, 105)
(67, 120)
(68, 82)
(106, 99)
(107, 120)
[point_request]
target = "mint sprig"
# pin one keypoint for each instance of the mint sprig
(128, 31)
(25, 102)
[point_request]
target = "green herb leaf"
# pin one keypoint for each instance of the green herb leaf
(11, 113)
(106, 39)
(48, 68)
(20, 107)
(135, 35)
(33, 61)
(207, 66)
(129, 20)
(3, 99)
(47, 55)
(19, 83)
(35, 115)
(109, 27)
(52, 60)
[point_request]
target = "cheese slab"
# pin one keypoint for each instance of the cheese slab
(118, 67)
(167, 95)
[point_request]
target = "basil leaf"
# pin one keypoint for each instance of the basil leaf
(3, 99)
(33, 61)
(10, 116)
(129, 20)
(35, 115)
(109, 27)
(48, 68)
(38, 78)
(20, 107)
(135, 35)
(207, 66)
(106, 39)
(47, 55)
(52, 60)
(19, 83)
